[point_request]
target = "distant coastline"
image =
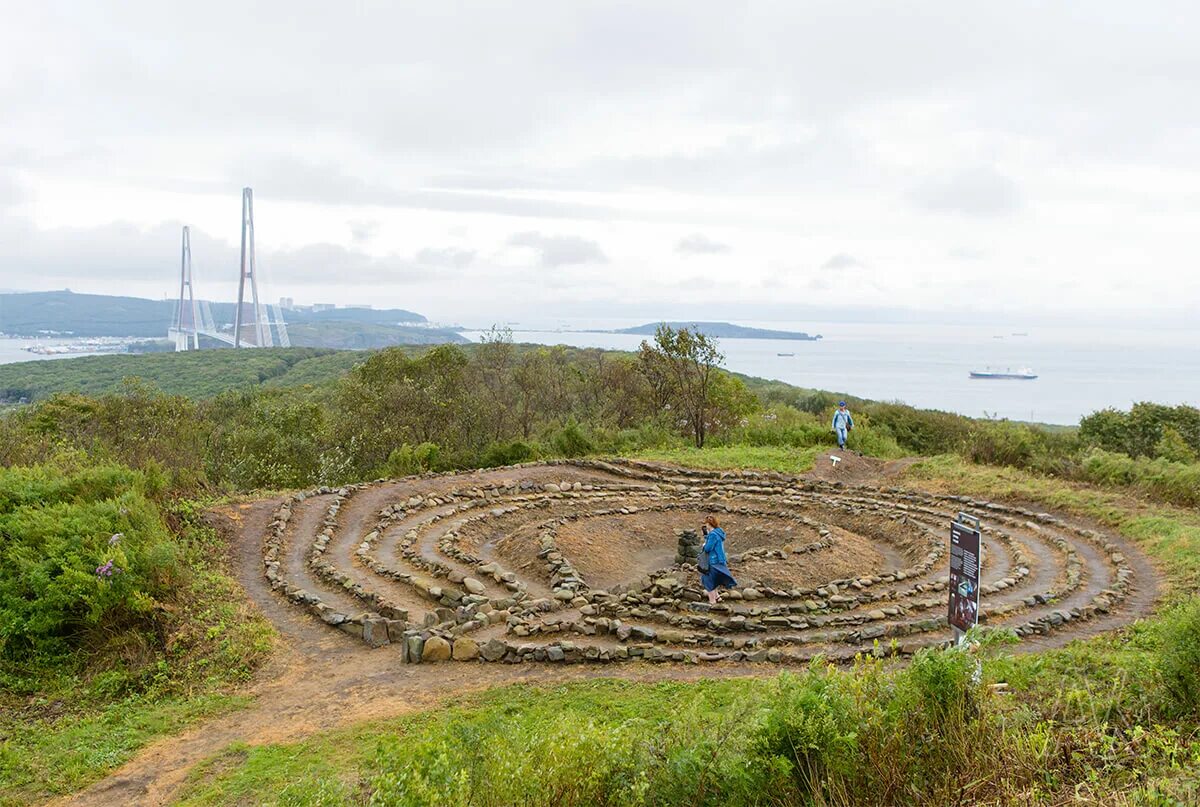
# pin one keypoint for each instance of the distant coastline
(719, 330)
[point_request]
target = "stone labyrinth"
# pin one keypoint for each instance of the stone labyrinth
(590, 561)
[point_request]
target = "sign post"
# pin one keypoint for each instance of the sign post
(964, 574)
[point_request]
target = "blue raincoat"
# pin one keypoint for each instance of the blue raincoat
(718, 572)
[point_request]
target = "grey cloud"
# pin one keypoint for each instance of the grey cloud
(320, 263)
(445, 257)
(12, 192)
(966, 254)
(560, 250)
(362, 231)
(974, 192)
(296, 179)
(124, 253)
(842, 261)
(700, 244)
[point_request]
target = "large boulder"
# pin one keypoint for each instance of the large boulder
(494, 650)
(436, 649)
(465, 649)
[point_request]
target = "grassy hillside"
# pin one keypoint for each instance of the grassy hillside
(199, 374)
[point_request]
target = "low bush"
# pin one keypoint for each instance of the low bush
(1174, 482)
(508, 454)
(1179, 660)
(572, 441)
(85, 555)
(408, 460)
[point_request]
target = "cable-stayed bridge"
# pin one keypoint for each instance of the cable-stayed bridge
(255, 324)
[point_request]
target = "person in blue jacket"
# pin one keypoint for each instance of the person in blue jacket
(842, 423)
(718, 571)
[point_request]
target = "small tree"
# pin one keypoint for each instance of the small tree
(687, 364)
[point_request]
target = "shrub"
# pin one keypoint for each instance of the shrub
(1179, 660)
(84, 555)
(408, 460)
(570, 441)
(1174, 482)
(1173, 447)
(809, 733)
(507, 454)
(921, 431)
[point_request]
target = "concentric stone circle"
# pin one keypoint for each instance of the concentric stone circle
(489, 566)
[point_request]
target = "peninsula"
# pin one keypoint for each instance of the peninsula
(720, 330)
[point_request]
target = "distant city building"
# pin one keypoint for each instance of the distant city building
(287, 303)
(358, 306)
(323, 307)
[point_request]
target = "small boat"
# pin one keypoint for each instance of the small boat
(785, 354)
(1024, 374)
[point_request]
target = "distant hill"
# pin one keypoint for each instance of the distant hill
(720, 330)
(33, 313)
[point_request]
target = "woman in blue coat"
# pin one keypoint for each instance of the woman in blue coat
(718, 572)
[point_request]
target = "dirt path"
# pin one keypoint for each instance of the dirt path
(322, 678)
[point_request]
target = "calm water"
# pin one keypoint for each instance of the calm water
(13, 350)
(1080, 370)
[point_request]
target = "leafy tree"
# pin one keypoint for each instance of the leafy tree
(1173, 447)
(687, 364)
(267, 439)
(392, 399)
(494, 365)
(624, 394)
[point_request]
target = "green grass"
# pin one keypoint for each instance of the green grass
(775, 458)
(43, 757)
(64, 727)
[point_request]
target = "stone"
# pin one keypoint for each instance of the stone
(436, 649)
(493, 650)
(465, 649)
(415, 645)
(375, 632)
(474, 586)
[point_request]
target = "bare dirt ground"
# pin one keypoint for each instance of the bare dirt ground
(321, 679)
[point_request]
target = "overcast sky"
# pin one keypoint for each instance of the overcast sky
(505, 161)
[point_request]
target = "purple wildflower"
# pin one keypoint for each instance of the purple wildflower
(107, 570)
(116, 539)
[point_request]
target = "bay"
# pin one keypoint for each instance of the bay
(1080, 370)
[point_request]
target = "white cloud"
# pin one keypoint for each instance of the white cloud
(401, 148)
(560, 250)
(700, 244)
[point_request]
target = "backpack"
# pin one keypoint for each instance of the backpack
(702, 564)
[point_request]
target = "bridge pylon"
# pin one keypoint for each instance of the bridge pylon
(186, 329)
(251, 325)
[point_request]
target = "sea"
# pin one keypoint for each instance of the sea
(1079, 369)
(14, 349)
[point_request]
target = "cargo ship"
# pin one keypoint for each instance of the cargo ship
(1024, 374)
